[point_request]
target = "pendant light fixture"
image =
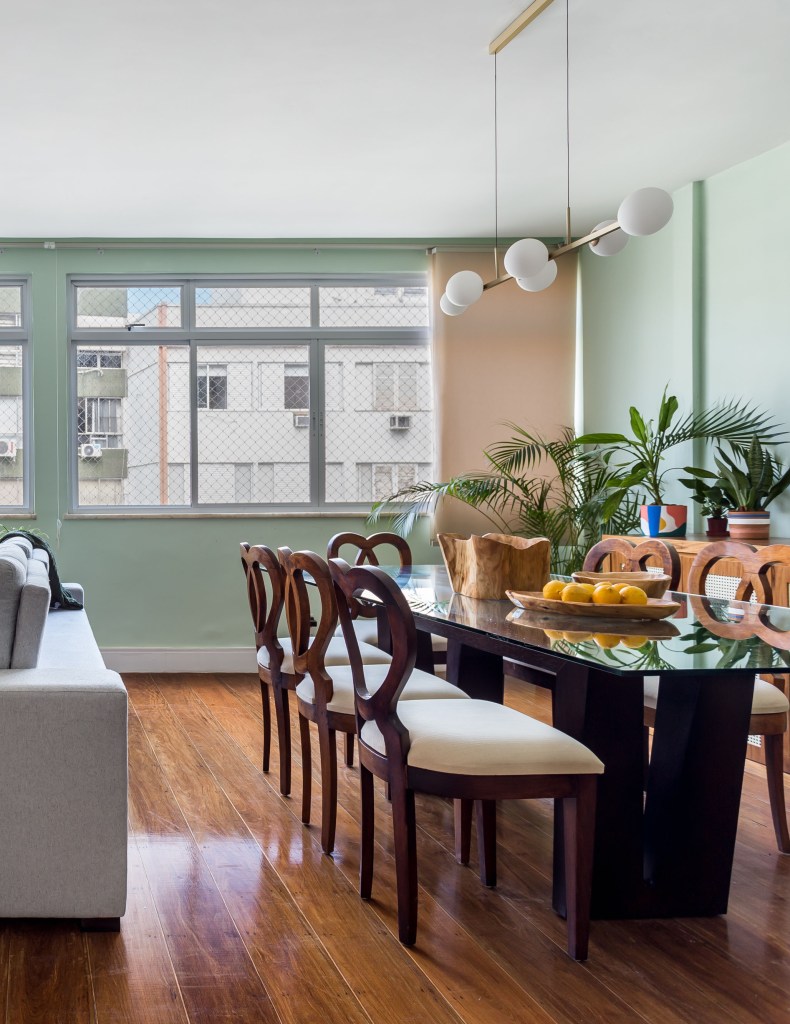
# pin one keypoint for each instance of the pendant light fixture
(529, 260)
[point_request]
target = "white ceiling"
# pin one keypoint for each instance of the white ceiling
(368, 118)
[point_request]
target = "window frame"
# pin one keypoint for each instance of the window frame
(21, 336)
(315, 339)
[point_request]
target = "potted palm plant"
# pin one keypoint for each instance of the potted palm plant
(751, 478)
(640, 458)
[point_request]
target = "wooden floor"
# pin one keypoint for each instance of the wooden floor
(235, 914)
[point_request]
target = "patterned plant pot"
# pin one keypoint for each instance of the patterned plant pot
(663, 520)
(750, 525)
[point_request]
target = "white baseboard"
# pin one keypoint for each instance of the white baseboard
(178, 659)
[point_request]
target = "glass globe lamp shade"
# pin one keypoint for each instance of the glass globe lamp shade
(450, 308)
(611, 244)
(541, 280)
(526, 258)
(464, 288)
(645, 211)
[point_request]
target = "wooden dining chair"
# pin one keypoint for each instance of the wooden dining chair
(465, 750)
(769, 701)
(325, 693)
(366, 618)
(634, 557)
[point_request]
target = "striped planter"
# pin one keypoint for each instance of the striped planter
(754, 525)
(663, 520)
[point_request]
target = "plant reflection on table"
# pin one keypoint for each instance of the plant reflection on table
(751, 650)
(645, 656)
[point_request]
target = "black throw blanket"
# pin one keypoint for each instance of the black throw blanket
(59, 597)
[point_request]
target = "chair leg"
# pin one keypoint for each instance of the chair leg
(462, 810)
(405, 834)
(307, 768)
(267, 725)
(645, 754)
(579, 832)
(350, 749)
(486, 840)
(327, 744)
(368, 819)
(282, 714)
(774, 769)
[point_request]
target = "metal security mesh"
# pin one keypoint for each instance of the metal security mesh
(12, 471)
(107, 306)
(10, 306)
(252, 307)
(255, 446)
(373, 307)
(379, 435)
(132, 425)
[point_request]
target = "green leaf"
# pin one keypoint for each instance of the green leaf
(638, 425)
(669, 406)
(602, 439)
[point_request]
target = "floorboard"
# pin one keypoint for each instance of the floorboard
(234, 913)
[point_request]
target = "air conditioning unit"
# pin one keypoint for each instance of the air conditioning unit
(302, 419)
(90, 451)
(400, 422)
(7, 448)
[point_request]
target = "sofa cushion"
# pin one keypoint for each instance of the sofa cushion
(13, 573)
(32, 615)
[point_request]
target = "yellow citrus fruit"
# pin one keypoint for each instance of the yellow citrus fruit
(589, 587)
(633, 595)
(605, 594)
(575, 592)
(575, 637)
(620, 586)
(606, 640)
(553, 589)
(633, 641)
(553, 634)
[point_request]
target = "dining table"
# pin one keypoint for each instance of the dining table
(666, 821)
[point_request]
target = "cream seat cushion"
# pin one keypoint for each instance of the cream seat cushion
(767, 699)
(336, 654)
(479, 737)
(420, 686)
(367, 631)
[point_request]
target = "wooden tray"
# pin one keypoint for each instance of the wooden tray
(535, 601)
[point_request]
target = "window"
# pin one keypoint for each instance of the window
(212, 386)
(272, 395)
(15, 486)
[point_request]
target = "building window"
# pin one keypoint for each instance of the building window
(325, 391)
(15, 483)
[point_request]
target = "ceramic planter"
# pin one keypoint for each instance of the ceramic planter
(717, 527)
(663, 520)
(749, 525)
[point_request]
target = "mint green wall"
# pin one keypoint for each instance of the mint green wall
(703, 305)
(160, 582)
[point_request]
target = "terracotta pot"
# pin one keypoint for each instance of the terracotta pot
(749, 525)
(663, 520)
(717, 527)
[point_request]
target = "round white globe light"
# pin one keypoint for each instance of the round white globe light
(611, 244)
(464, 288)
(526, 258)
(645, 211)
(450, 308)
(539, 281)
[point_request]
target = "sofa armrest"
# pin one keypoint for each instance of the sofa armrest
(63, 802)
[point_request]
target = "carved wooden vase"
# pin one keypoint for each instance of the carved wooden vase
(485, 567)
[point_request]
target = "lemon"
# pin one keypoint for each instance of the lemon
(606, 640)
(575, 637)
(633, 641)
(553, 589)
(605, 594)
(633, 595)
(619, 587)
(589, 587)
(576, 592)
(554, 634)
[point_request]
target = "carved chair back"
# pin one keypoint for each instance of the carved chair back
(266, 594)
(635, 556)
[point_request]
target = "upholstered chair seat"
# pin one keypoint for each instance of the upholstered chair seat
(421, 686)
(367, 632)
(336, 654)
(766, 700)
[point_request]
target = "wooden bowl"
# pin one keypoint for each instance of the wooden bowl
(654, 584)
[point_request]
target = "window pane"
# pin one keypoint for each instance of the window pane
(12, 464)
(107, 306)
(11, 306)
(373, 307)
(256, 428)
(132, 441)
(245, 306)
(374, 446)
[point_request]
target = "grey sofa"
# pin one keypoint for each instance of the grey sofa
(63, 756)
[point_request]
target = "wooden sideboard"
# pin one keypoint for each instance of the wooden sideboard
(779, 577)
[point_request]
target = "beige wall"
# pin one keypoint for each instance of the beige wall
(510, 357)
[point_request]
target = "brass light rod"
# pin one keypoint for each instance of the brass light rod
(536, 8)
(561, 251)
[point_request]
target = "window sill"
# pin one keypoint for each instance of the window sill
(314, 514)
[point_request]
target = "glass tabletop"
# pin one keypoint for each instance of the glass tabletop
(703, 635)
